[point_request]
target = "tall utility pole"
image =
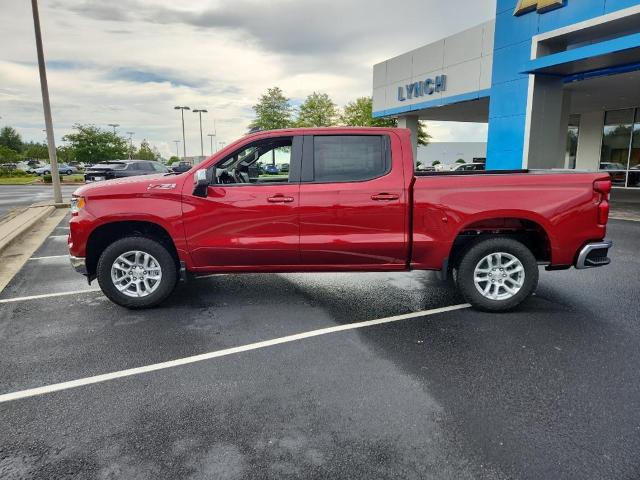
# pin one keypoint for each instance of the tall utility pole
(200, 112)
(177, 142)
(55, 174)
(114, 125)
(211, 136)
(184, 143)
(130, 144)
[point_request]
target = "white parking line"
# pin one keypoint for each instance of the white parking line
(58, 236)
(48, 295)
(50, 256)
(56, 387)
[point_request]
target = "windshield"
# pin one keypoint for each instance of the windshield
(114, 165)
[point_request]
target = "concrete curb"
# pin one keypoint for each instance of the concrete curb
(18, 224)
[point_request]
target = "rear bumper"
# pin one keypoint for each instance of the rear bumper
(79, 264)
(594, 255)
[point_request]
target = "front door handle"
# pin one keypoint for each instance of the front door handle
(280, 199)
(381, 197)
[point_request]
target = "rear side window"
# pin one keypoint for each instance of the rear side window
(349, 158)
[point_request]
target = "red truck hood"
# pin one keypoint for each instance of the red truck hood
(132, 185)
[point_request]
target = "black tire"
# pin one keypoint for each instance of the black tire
(68, 172)
(158, 251)
(478, 251)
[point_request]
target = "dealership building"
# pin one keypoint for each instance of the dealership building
(557, 81)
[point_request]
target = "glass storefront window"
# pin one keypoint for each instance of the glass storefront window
(616, 141)
(634, 158)
(572, 141)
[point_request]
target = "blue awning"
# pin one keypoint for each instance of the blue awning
(601, 56)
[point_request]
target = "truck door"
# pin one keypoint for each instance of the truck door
(353, 203)
(249, 218)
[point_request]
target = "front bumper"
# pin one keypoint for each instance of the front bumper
(594, 255)
(79, 264)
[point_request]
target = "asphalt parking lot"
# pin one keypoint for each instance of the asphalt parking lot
(549, 391)
(13, 196)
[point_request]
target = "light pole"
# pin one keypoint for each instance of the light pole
(211, 136)
(44, 86)
(200, 112)
(184, 143)
(114, 125)
(177, 142)
(222, 144)
(130, 144)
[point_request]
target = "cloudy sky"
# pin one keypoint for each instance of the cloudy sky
(131, 61)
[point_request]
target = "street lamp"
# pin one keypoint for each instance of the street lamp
(200, 112)
(130, 144)
(46, 105)
(211, 137)
(184, 143)
(177, 142)
(114, 125)
(222, 144)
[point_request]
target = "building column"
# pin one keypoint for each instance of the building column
(411, 122)
(547, 124)
(590, 141)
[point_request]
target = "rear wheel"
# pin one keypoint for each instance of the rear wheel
(137, 272)
(497, 274)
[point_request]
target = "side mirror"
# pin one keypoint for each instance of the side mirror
(201, 183)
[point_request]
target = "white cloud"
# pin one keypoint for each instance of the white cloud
(130, 62)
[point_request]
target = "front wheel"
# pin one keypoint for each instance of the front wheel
(137, 272)
(497, 274)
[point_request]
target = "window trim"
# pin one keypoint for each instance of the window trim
(294, 162)
(308, 158)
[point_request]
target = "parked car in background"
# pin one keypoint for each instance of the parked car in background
(271, 170)
(123, 168)
(63, 168)
(284, 168)
(181, 167)
(617, 172)
(469, 167)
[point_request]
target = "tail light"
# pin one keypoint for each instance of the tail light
(603, 188)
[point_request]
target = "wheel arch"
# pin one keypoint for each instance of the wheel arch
(531, 232)
(104, 235)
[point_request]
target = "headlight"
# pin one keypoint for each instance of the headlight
(77, 204)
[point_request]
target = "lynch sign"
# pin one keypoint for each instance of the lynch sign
(422, 88)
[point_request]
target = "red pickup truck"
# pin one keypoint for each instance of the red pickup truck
(350, 201)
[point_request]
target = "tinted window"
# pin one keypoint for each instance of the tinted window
(348, 158)
(158, 167)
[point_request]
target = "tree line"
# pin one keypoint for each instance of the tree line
(275, 111)
(86, 144)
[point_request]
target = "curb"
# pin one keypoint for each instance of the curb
(18, 224)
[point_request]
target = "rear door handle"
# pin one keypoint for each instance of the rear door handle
(280, 199)
(381, 197)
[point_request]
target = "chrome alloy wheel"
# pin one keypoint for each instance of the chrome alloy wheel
(499, 276)
(136, 274)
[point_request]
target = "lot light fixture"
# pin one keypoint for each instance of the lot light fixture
(184, 143)
(44, 86)
(200, 112)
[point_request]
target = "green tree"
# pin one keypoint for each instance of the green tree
(359, 113)
(273, 111)
(38, 151)
(66, 154)
(11, 139)
(173, 159)
(145, 152)
(318, 110)
(7, 154)
(91, 144)
(435, 162)
(460, 160)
